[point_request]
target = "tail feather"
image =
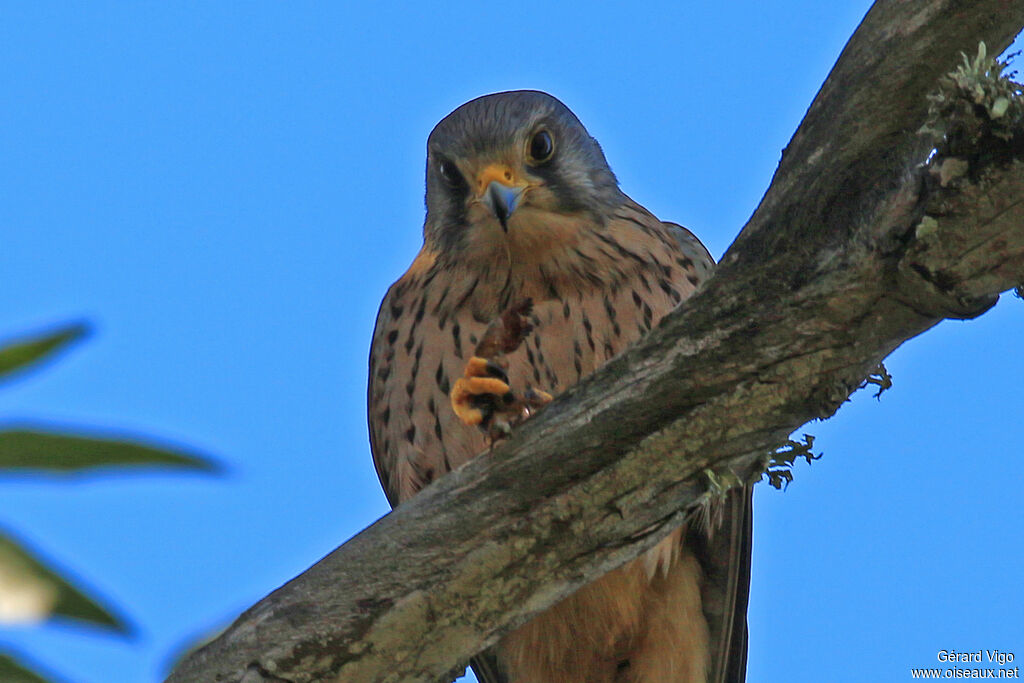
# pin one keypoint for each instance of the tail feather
(487, 669)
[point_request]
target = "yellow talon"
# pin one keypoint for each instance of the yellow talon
(476, 367)
(467, 388)
(537, 397)
(460, 396)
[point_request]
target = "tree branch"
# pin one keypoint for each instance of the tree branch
(854, 249)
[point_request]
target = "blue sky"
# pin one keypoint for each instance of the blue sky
(226, 191)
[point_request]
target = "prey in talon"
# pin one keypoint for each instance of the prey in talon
(482, 396)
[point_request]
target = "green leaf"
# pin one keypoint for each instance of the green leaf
(31, 592)
(36, 449)
(13, 671)
(31, 350)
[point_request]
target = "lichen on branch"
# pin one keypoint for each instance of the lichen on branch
(977, 99)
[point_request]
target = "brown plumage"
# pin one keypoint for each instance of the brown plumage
(521, 205)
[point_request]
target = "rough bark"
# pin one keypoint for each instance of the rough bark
(834, 271)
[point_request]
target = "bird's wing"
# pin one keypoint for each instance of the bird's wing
(724, 551)
(396, 405)
(485, 666)
(382, 357)
(703, 262)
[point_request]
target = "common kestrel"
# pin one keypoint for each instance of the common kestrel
(523, 209)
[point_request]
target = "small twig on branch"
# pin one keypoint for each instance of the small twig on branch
(879, 377)
(780, 463)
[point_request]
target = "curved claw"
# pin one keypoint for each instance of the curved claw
(483, 397)
(483, 391)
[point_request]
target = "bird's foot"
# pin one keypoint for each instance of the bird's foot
(535, 399)
(482, 396)
(482, 392)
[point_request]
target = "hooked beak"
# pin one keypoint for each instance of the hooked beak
(498, 192)
(502, 200)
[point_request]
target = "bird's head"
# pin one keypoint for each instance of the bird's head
(513, 167)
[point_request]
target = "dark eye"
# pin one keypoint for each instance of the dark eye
(541, 147)
(449, 172)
